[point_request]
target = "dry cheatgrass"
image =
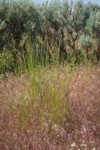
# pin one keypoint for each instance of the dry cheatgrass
(54, 109)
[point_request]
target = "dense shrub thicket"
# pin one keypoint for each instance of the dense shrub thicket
(52, 30)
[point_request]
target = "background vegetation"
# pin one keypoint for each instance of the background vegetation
(53, 31)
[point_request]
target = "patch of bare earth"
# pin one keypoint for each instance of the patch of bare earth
(81, 130)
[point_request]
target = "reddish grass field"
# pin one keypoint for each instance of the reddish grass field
(79, 129)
